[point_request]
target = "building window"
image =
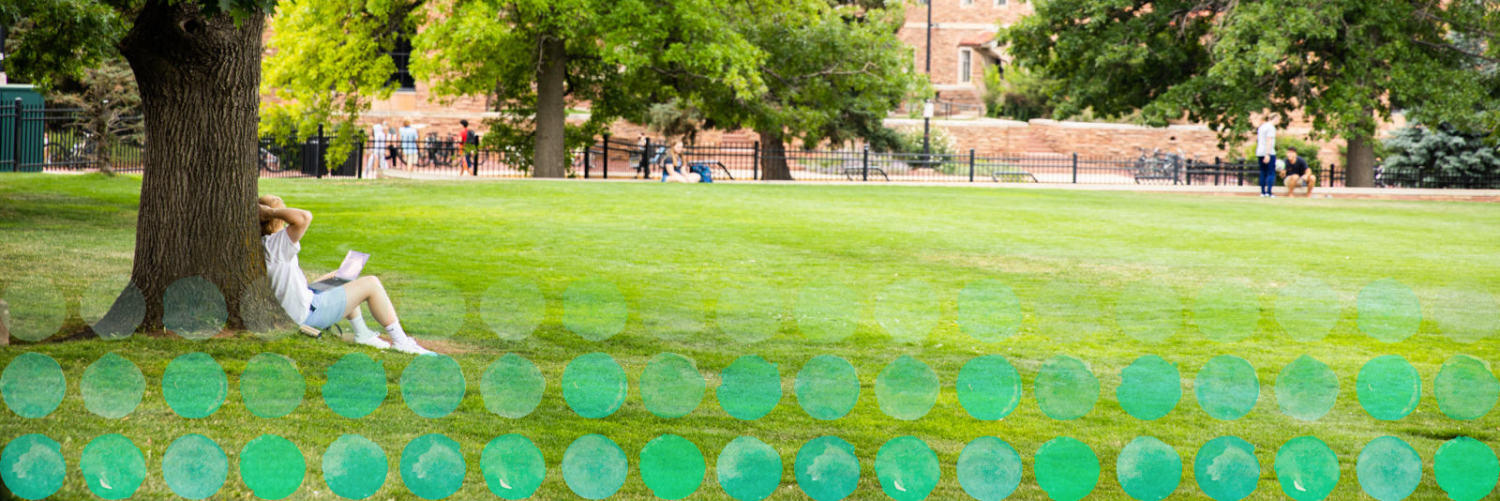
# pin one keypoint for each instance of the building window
(1001, 3)
(966, 3)
(965, 65)
(401, 55)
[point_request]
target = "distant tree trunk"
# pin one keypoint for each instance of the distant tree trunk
(773, 166)
(551, 110)
(1360, 162)
(199, 80)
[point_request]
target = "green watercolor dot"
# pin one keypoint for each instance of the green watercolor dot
(1466, 312)
(989, 311)
(594, 467)
(908, 310)
(112, 387)
(1067, 469)
(1389, 311)
(1148, 469)
(1466, 469)
(1389, 469)
(594, 309)
(827, 387)
(1226, 310)
(116, 293)
(989, 469)
(750, 388)
(32, 466)
(907, 468)
(826, 312)
(262, 314)
(907, 389)
(1306, 389)
(1307, 309)
(594, 385)
(671, 386)
(37, 308)
(271, 386)
(194, 467)
(748, 469)
(513, 307)
(512, 386)
(112, 466)
(432, 385)
(33, 385)
(354, 467)
(672, 467)
(272, 467)
(194, 385)
(827, 468)
(194, 308)
(1307, 469)
(1226, 387)
(989, 388)
(1069, 312)
(1226, 469)
(356, 386)
(749, 313)
(1388, 387)
(1149, 312)
(443, 307)
(432, 467)
(512, 466)
(1465, 388)
(1066, 389)
(1150, 387)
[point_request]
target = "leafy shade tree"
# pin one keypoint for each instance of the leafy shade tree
(1441, 157)
(1344, 63)
(106, 95)
(1017, 93)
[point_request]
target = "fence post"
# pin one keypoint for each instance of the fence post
(606, 156)
(864, 174)
(359, 169)
(971, 165)
(645, 166)
(320, 164)
(1218, 171)
(587, 161)
(755, 162)
(1075, 168)
(15, 136)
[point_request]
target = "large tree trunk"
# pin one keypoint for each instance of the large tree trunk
(551, 110)
(199, 79)
(773, 166)
(1359, 162)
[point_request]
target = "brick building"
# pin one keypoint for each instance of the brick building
(963, 46)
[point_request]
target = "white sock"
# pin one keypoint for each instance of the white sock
(394, 330)
(361, 331)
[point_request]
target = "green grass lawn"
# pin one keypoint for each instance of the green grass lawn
(705, 268)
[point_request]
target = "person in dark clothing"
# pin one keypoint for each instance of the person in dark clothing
(1297, 172)
(469, 143)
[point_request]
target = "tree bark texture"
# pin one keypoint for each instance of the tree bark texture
(773, 164)
(551, 109)
(1359, 162)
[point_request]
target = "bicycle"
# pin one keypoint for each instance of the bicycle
(439, 153)
(82, 152)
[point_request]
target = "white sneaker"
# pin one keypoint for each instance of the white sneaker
(373, 342)
(410, 347)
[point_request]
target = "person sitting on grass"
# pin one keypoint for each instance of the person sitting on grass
(281, 230)
(1297, 172)
(672, 170)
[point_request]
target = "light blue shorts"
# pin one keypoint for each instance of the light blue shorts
(327, 308)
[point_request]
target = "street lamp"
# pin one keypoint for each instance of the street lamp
(927, 104)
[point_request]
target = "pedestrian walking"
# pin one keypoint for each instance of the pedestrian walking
(1265, 153)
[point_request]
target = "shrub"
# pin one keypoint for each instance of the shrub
(1440, 157)
(1307, 150)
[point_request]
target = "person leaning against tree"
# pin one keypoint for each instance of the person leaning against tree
(1265, 153)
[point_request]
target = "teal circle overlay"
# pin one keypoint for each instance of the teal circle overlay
(594, 309)
(907, 468)
(1307, 309)
(432, 385)
(32, 466)
(33, 385)
(354, 467)
(112, 387)
(1466, 312)
(908, 310)
(1226, 468)
(272, 467)
(194, 467)
(1307, 469)
(1389, 469)
(672, 467)
(37, 308)
(594, 385)
(443, 307)
(989, 387)
(671, 386)
(989, 469)
(748, 469)
(1070, 311)
(512, 467)
(194, 385)
(1226, 310)
(1466, 469)
(513, 307)
(1148, 469)
(907, 389)
(749, 388)
(594, 467)
(1306, 389)
(1150, 388)
(826, 311)
(1149, 312)
(989, 311)
(271, 386)
(1465, 388)
(112, 466)
(1067, 469)
(194, 308)
(115, 293)
(1388, 388)
(355, 386)
(749, 313)
(432, 466)
(512, 386)
(827, 387)
(1066, 389)
(827, 468)
(1388, 311)
(1226, 387)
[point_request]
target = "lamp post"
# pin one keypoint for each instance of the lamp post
(927, 106)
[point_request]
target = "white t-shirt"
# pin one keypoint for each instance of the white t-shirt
(1265, 140)
(287, 280)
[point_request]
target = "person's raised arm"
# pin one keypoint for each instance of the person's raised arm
(297, 220)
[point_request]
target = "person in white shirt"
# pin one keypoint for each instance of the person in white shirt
(1265, 152)
(281, 232)
(377, 151)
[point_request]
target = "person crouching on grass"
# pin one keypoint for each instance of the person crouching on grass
(281, 230)
(1297, 172)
